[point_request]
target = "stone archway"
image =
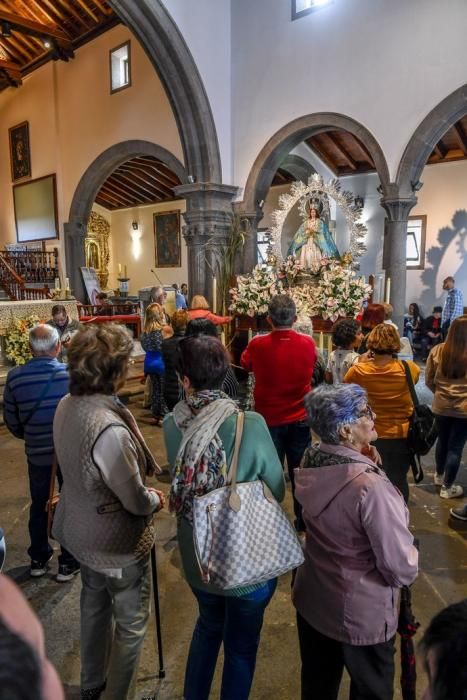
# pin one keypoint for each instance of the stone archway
(163, 43)
(298, 167)
(425, 138)
(276, 151)
(87, 189)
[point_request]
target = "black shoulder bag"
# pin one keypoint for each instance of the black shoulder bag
(422, 429)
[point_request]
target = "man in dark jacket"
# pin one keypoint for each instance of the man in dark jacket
(31, 396)
(65, 327)
(431, 332)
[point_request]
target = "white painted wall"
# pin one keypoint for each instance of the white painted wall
(206, 28)
(386, 64)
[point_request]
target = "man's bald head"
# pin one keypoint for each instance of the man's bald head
(44, 340)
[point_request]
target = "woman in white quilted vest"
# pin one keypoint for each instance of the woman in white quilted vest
(105, 511)
(200, 436)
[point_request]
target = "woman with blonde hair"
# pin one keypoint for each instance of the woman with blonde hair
(154, 331)
(200, 309)
(446, 376)
(383, 377)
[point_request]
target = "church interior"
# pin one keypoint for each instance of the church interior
(161, 143)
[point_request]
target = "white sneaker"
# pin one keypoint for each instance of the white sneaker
(438, 479)
(453, 491)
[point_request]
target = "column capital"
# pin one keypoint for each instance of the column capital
(398, 208)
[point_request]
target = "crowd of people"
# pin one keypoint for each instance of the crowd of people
(340, 429)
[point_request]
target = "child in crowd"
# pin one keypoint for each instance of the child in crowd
(155, 330)
(346, 336)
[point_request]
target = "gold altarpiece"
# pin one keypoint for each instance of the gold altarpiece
(96, 245)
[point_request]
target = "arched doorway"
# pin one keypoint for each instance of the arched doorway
(278, 151)
(85, 194)
(433, 173)
(161, 39)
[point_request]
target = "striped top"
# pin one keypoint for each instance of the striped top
(24, 386)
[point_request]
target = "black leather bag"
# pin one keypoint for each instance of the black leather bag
(422, 429)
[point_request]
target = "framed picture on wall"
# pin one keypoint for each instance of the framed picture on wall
(167, 239)
(35, 205)
(20, 154)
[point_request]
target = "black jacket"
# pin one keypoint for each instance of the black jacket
(171, 385)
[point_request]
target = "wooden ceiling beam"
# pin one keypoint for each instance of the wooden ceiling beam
(364, 152)
(159, 167)
(11, 67)
(321, 153)
(126, 188)
(341, 150)
(88, 10)
(14, 41)
(7, 48)
(139, 182)
(154, 183)
(460, 136)
(71, 10)
(441, 149)
(107, 191)
(26, 26)
(154, 174)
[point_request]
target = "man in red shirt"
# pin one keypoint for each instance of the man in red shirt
(283, 362)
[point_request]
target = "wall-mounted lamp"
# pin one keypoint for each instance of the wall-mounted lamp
(6, 30)
(359, 202)
(191, 179)
(135, 225)
(416, 186)
(260, 203)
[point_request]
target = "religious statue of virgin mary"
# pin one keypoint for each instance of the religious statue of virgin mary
(313, 239)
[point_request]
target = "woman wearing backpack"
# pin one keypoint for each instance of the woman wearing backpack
(446, 376)
(383, 377)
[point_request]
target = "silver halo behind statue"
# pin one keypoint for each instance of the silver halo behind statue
(302, 193)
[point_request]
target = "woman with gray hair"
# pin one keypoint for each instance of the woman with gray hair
(358, 552)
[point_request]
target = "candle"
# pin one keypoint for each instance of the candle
(321, 341)
(57, 283)
(250, 334)
(214, 294)
(124, 272)
(223, 337)
(119, 270)
(329, 345)
(388, 289)
(67, 283)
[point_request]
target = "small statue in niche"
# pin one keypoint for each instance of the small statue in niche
(313, 240)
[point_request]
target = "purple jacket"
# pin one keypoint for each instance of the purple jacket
(359, 550)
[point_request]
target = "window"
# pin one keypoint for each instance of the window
(416, 232)
(300, 8)
(120, 67)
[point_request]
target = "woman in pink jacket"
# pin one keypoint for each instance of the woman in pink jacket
(358, 552)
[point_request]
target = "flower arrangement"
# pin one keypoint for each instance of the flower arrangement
(338, 291)
(17, 340)
(254, 291)
(335, 292)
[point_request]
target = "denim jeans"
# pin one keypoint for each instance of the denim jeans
(291, 441)
(39, 485)
(236, 622)
(452, 436)
(114, 617)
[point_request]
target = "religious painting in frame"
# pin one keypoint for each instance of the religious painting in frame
(167, 239)
(20, 154)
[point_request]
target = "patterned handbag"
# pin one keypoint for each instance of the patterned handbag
(241, 534)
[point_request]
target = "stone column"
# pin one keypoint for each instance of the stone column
(249, 221)
(208, 222)
(395, 247)
(75, 233)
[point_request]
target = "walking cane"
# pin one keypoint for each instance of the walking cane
(157, 611)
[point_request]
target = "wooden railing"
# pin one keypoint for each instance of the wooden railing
(15, 286)
(33, 265)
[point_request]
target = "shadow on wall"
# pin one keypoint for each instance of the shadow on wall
(448, 258)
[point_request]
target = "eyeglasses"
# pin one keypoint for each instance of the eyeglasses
(367, 412)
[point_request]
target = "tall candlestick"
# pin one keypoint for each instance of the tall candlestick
(321, 341)
(223, 338)
(388, 289)
(119, 270)
(124, 272)
(67, 283)
(329, 344)
(214, 294)
(250, 334)
(57, 283)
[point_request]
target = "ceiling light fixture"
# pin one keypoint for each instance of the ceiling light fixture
(6, 30)
(47, 43)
